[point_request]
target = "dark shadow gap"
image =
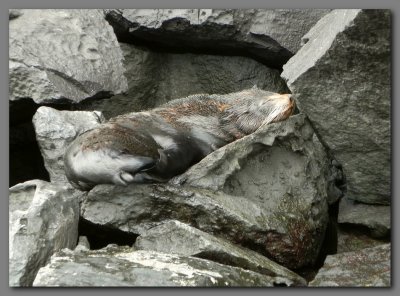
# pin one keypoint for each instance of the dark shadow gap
(99, 236)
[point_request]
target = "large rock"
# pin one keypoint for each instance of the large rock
(255, 33)
(365, 268)
(155, 78)
(266, 191)
(57, 55)
(374, 217)
(341, 80)
(55, 130)
(43, 219)
(179, 238)
(122, 266)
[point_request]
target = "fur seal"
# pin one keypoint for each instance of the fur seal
(155, 145)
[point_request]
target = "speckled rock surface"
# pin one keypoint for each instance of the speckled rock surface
(179, 238)
(364, 268)
(122, 267)
(351, 239)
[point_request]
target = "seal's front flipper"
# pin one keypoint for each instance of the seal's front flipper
(136, 164)
(132, 165)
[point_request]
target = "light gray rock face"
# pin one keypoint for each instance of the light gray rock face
(253, 32)
(365, 268)
(43, 218)
(375, 217)
(60, 54)
(155, 78)
(348, 54)
(266, 191)
(179, 238)
(286, 26)
(55, 130)
(122, 266)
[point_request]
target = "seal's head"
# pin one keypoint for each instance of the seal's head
(247, 115)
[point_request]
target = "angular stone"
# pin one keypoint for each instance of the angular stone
(179, 238)
(57, 55)
(122, 266)
(364, 268)
(341, 80)
(43, 219)
(375, 217)
(250, 32)
(55, 130)
(266, 191)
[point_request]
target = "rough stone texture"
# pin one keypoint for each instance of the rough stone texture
(286, 26)
(122, 266)
(275, 161)
(58, 54)
(375, 217)
(178, 238)
(348, 54)
(268, 192)
(43, 218)
(252, 32)
(155, 78)
(350, 239)
(55, 130)
(365, 268)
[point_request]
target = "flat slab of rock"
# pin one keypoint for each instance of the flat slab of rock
(348, 52)
(58, 54)
(179, 238)
(350, 239)
(122, 266)
(375, 217)
(43, 218)
(55, 130)
(257, 33)
(364, 268)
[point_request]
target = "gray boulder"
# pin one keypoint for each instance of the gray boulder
(55, 130)
(178, 238)
(155, 78)
(364, 268)
(43, 218)
(255, 33)
(122, 266)
(348, 54)
(63, 55)
(266, 191)
(375, 217)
